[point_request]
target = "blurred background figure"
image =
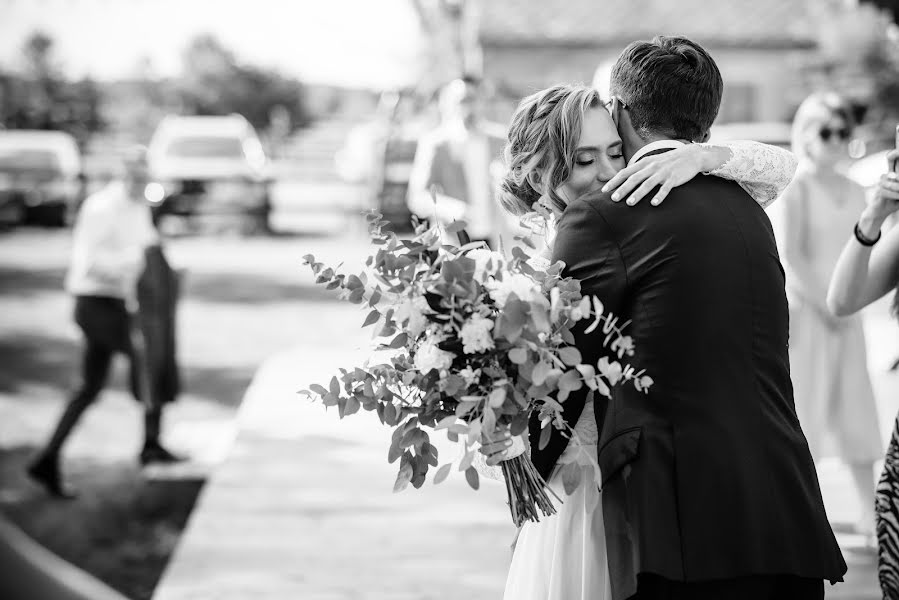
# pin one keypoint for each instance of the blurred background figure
(828, 357)
(863, 275)
(112, 234)
(455, 160)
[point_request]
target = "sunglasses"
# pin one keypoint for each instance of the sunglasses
(841, 134)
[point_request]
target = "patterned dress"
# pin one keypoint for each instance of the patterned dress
(887, 507)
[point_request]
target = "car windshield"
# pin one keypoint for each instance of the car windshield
(206, 147)
(28, 159)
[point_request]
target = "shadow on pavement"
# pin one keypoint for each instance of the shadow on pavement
(30, 359)
(17, 283)
(245, 288)
(122, 527)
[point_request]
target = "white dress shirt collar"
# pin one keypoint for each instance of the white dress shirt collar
(653, 146)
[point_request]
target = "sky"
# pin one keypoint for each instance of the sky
(356, 43)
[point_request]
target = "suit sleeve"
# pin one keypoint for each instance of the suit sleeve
(586, 243)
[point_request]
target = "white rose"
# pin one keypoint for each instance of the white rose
(429, 356)
(521, 285)
(476, 336)
(482, 256)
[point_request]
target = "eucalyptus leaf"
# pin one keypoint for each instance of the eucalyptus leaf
(399, 341)
(570, 355)
(466, 461)
(472, 477)
(372, 318)
(496, 398)
(541, 371)
(456, 226)
(403, 477)
(352, 406)
(545, 434)
(445, 422)
(518, 355)
(442, 473)
(570, 381)
(394, 453)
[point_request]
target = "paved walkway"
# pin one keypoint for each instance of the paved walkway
(303, 507)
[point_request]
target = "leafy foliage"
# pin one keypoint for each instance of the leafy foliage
(214, 82)
(470, 343)
(40, 97)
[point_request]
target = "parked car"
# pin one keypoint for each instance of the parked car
(209, 166)
(40, 177)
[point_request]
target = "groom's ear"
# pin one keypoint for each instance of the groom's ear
(615, 110)
(704, 137)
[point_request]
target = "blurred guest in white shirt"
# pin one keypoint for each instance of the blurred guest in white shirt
(455, 160)
(113, 230)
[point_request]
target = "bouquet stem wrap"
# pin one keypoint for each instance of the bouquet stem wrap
(527, 491)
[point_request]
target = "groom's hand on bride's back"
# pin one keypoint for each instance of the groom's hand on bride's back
(501, 445)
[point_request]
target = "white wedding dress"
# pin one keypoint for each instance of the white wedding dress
(563, 557)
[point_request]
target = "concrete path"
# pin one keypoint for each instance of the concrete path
(303, 507)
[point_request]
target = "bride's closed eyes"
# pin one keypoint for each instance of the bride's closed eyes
(586, 156)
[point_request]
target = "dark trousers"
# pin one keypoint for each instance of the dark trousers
(758, 587)
(108, 330)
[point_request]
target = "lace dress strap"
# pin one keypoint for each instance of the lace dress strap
(764, 171)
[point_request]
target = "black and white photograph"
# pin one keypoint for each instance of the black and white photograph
(441, 299)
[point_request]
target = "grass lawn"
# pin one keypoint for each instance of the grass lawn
(243, 301)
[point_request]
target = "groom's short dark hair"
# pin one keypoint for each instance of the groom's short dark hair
(671, 87)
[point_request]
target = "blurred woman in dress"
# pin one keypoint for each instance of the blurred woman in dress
(828, 360)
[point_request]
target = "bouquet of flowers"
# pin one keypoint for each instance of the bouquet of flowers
(475, 343)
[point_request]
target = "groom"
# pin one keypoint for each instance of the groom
(709, 488)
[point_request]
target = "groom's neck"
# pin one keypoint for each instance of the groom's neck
(631, 142)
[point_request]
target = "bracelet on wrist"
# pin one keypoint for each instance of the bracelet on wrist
(866, 241)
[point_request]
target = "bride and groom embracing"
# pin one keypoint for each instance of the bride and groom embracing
(708, 489)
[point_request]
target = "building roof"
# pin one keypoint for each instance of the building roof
(757, 23)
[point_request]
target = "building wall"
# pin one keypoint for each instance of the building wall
(760, 84)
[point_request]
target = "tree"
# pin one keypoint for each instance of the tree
(859, 47)
(41, 98)
(215, 83)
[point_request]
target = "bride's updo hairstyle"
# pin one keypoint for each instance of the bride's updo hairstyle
(543, 140)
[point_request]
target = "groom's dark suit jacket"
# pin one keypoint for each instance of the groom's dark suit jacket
(708, 476)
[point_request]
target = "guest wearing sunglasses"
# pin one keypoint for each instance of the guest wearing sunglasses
(832, 388)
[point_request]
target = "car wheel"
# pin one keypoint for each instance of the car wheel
(58, 216)
(262, 218)
(17, 216)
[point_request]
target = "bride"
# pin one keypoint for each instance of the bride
(562, 144)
